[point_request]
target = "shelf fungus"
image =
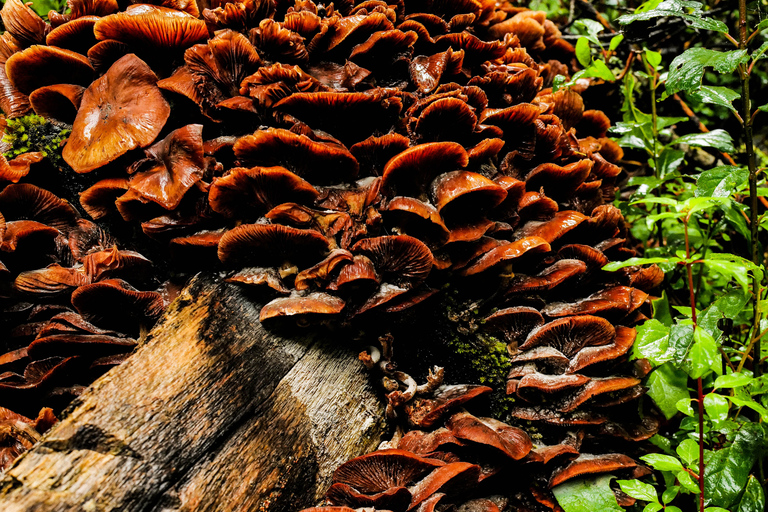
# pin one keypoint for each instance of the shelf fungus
(354, 162)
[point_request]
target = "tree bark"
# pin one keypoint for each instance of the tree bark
(212, 413)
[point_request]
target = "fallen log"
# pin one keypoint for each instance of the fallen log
(213, 412)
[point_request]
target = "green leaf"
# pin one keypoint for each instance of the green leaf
(652, 343)
(728, 305)
(763, 108)
(703, 355)
(661, 309)
(638, 490)
(587, 495)
(601, 70)
(680, 9)
(740, 402)
(662, 121)
(615, 42)
(666, 386)
(589, 28)
(760, 51)
(722, 96)
(654, 58)
(753, 499)
(716, 406)
(680, 341)
(721, 181)
(732, 267)
(733, 380)
(583, 53)
(653, 507)
(685, 407)
(727, 471)
(669, 160)
(718, 139)
(687, 69)
(688, 450)
(687, 482)
(662, 462)
(670, 493)
(616, 265)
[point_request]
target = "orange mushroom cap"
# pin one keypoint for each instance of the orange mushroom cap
(38, 66)
(150, 26)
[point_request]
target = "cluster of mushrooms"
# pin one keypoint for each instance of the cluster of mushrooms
(346, 161)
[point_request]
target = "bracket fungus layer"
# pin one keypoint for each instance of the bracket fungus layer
(348, 163)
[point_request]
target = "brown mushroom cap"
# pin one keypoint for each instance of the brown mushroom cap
(51, 280)
(59, 101)
(394, 498)
(115, 263)
(99, 199)
(151, 26)
(587, 464)
(425, 412)
(249, 193)
(260, 276)
(401, 260)
(321, 162)
(320, 274)
(514, 443)
(19, 166)
(614, 301)
(416, 218)
(271, 245)
(173, 165)
(505, 253)
(554, 228)
(105, 53)
(381, 470)
(569, 335)
(27, 201)
(23, 23)
(114, 302)
(38, 66)
(120, 111)
(455, 477)
(427, 71)
(514, 323)
(457, 191)
(76, 35)
(313, 305)
(407, 172)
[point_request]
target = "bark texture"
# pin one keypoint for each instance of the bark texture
(212, 413)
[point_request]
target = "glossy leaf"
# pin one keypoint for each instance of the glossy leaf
(615, 42)
(728, 305)
(670, 160)
(733, 380)
(753, 499)
(721, 96)
(718, 139)
(672, 8)
(721, 181)
(587, 495)
(688, 450)
(666, 386)
(680, 341)
(687, 481)
(716, 406)
(638, 490)
(652, 343)
(703, 355)
(662, 462)
(727, 471)
(583, 53)
(687, 69)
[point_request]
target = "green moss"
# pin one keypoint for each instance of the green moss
(35, 133)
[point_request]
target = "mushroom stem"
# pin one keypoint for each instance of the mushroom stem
(392, 443)
(434, 380)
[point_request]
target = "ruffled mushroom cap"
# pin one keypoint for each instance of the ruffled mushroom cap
(457, 192)
(171, 168)
(476, 51)
(271, 84)
(51, 280)
(511, 119)
(425, 412)
(416, 218)
(444, 119)
(529, 384)
(427, 71)
(319, 275)
(271, 245)
(81, 8)
(38, 66)
(68, 334)
(511, 441)
(99, 199)
(401, 260)
(114, 263)
(588, 464)
(553, 228)
(76, 35)
(554, 275)
(23, 23)
(105, 53)
(32, 243)
(408, 172)
(394, 498)
(350, 116)
(120, 111)
(528, 26)
(506, 253)
(328, 222)
(19, 433)
(534, 205)
(569, 335)
(558, 181)
(249, 193)
(152, 27)
(115, 303)
(645, 278)
(27, 201)
(374, 152)
(316, 305)
(359, 276)
(621, 344)
(423, 443)
(384, 469)
(617, 301)
(384, 48)
(259, 277)
(38, 380)
(18, 167)
(455, 477)
(320, 162)
(59, 102)
(513, 323)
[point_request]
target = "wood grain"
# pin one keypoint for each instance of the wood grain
(212, 413)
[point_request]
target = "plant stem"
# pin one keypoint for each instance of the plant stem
(752, 165)
(699, 384)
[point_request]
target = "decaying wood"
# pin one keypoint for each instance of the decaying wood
(212, 413)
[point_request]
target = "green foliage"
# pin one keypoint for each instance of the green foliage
(35, 133)
(587, 495)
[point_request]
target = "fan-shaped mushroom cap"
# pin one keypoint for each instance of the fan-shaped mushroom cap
(173, 165)
(401, 260)
(315, 304)
(382, 48)
(359, 274)
(407, 172)
(511, 441)
(587, 464)
(456, 191)
(506, 252)
(260, 276)
(599, 386)
(618, 300)
(645, 278)
(153, 27)
(444, 119)
(476, 51)
(23, 23)
(455, 477)
(554, 275)
(272, 83)
(425, 412)
(427, 71)
(511, 119)
(514, 323)
(534, 205)
(76, 35)
(115, 263)
(51, 280)
(249, 193)
(322, 162)
(105, 53)
(321, 273)
(544, 383)
(350, 116)
(328, 222)
(417, 219)
(394, 498)
(60, 101)
(374, 152)
(621, 344)
(271, 245)
(384, 469)
(120, 111)
(92, 7)
(569, 335)
(554, 228)
(99, 199)
(115, 302)
(68, 334)
(30, 234)
(558, 181)
(38, 66)
(26, 201)
(19, 166)
(423, 443)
